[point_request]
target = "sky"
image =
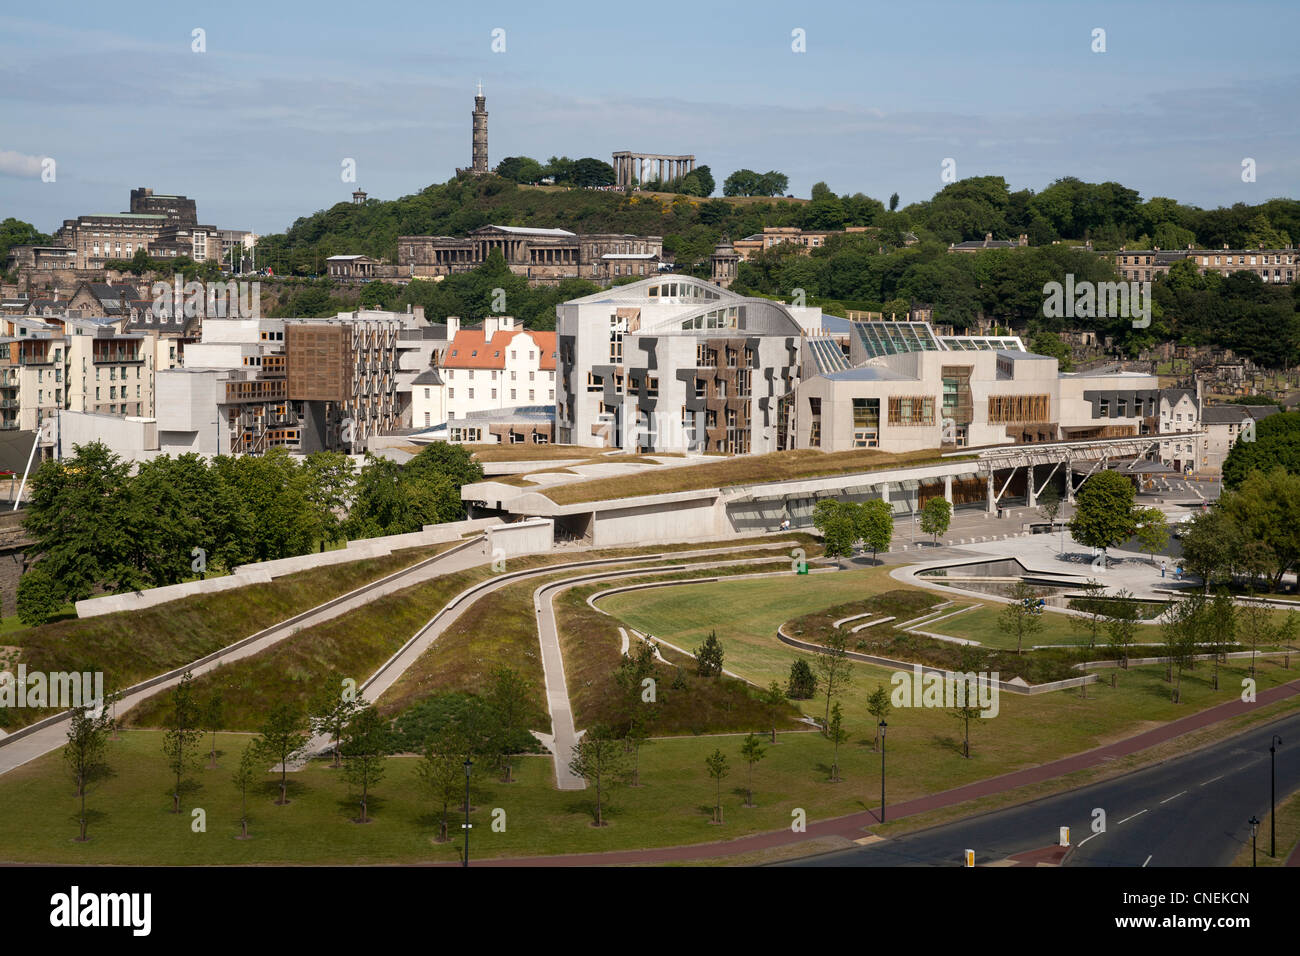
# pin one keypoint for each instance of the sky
(257, 125)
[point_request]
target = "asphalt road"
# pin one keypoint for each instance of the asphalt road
(1187, 811)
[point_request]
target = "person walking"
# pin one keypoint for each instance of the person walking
(1162, 569)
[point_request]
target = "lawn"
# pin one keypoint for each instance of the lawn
(130, 646)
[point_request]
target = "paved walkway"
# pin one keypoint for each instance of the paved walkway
(851, 826)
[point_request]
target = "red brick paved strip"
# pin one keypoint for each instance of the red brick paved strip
(851, 826)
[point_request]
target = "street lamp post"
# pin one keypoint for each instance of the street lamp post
(1272, 794)
(469, 765)
(1254, 829)
(883, 727)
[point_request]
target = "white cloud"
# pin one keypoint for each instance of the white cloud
(19, 164)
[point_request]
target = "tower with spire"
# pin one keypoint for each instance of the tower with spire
(479, 166)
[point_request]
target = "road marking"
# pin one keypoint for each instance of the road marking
(1212, 779)
(1086, 839)
(1127, 819)
(1174, 797)
(1148, 859)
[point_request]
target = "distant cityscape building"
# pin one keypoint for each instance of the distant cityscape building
(541, 255)
(633, 169)
(988, 242)
(478, 137)
(1271, 265)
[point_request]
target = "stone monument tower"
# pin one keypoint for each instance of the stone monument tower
(480, 116)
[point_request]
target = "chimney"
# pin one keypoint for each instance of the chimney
(453, 326)
(490, 324)
(419, 313)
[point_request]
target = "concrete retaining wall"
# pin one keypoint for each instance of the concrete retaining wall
(263, 572)
(534, 536)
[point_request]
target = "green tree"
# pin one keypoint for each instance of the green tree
(802, 684)
(1022, 616)
(39, 596)
(367, 741)
(874, 524)
(837, 735)
(184, 730)
(245, 775)
(1092, 609)
(936, 515)
(598, 758)
(1220, 630)
(1104, 514)
(1184, 629)
(834, 669)
(966, 712)
(84, 755)
(213, 721)
(1152, 530)
(440, 772)
(1122, 624)
(508, 695)
(329, 711)
(708, 657)
(774, 699)
(282, 740)
(878, 706)
(835, 520)
(716, 763)
(751, 751)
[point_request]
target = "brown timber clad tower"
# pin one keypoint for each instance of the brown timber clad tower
(480, 164)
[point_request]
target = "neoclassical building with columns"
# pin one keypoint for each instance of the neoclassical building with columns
(634, 168)
(543, 256)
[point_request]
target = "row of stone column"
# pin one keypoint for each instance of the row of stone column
(664, 169)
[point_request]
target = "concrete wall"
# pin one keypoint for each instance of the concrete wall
(701, 518)
(535, 536)
(129, 437)
(265, 571)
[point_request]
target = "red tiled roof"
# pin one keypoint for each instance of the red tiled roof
(469, 349)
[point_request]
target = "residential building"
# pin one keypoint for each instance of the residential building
(1271, 265)
(496, 366)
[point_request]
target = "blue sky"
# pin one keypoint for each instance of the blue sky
(256, 127)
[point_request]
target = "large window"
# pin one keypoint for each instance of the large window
(866, 423)
(911, 410)
(1019, 409)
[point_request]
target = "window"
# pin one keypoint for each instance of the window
(1019, 409)
(595, 383)
(512, 395)
(866, 423)
(911, 410)
(651, 386)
